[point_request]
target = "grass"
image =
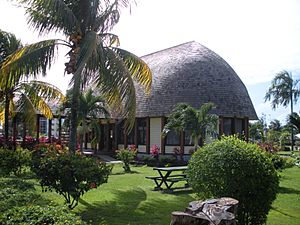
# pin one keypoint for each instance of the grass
(286, 207)
(128, 199)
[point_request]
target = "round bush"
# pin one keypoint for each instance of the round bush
(70, 175)
(233, 168)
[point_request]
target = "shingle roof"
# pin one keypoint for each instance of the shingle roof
(193, 74)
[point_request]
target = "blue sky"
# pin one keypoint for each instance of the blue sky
(258, 38)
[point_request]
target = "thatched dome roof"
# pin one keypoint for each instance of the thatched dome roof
(193, 74)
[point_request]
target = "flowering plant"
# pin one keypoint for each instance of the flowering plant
(132, 148)
(126, 155)
(154, 151)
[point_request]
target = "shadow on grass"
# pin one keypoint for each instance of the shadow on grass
(285, 190)
(281, 212)
(133, 207)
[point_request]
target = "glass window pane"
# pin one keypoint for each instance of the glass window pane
(227, 126)
(141, 131)
(173, 138)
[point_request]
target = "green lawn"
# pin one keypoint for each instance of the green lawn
(129, 199)
(286, 208)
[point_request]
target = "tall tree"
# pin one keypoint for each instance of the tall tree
(91, 108)
(275, 125)
(94, 54)
(294, 121)
(17, 64)
(284, 90)
(198, 122)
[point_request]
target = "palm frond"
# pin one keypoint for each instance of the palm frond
(8, 44)
(117, 87)
(204, 110)
(51, 15)
(40, 94)
(45, 90)
(110, 39)
(108, 15)
(294, 120)
(282, 89)
(2, 115)
(32, 60)
(138, 69)
(25, 106)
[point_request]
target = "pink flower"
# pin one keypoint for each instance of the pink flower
(154, 151)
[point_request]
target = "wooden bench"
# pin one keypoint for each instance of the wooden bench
(171, 179)
(159, 177)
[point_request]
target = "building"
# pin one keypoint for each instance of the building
(189, 73)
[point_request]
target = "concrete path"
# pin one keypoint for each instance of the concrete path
(109, 159)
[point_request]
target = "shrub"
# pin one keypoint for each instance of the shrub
(16, 192)
(13, 161)
(70, 175)
(280, 162)
(16, 183)
(167, 160)
(148, 160)
(126, 155)
(37, 215)
(233, 168)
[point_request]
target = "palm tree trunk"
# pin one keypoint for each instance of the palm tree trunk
(74, 108)
(6, 120)
(292, 133)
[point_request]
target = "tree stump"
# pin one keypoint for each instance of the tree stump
(209, 212)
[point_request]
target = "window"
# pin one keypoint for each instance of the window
(120, 133)
(141, 131)
(227, 126)
(188, 141)
(130, 138)
(43, 125)
(173, 138)
(239, 126)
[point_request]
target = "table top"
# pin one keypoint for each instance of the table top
(171, 168)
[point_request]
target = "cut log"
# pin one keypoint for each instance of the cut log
(209, 212)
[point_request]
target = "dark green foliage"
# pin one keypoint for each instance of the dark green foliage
(39, 215)
(199, 122)
(70, 175)
(15, 192)
(233, 168)
(13, 161)
(281, 162)
(167, 160)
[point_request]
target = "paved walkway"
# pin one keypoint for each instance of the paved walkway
(109, 159)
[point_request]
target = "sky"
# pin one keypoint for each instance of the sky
(258, 38)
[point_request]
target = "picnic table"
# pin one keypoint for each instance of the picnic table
(167, 178)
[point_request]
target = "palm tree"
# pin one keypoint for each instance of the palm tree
(17, 64)
(294, 121)
(284, 91)
(198, 122)
(94, 55)
(275, 125)
(91, 108)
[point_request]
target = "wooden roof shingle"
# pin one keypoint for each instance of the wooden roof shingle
(193, 74)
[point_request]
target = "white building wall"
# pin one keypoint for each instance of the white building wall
(155, 132)
(120, 147)
(170, 149)
(142, 148)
